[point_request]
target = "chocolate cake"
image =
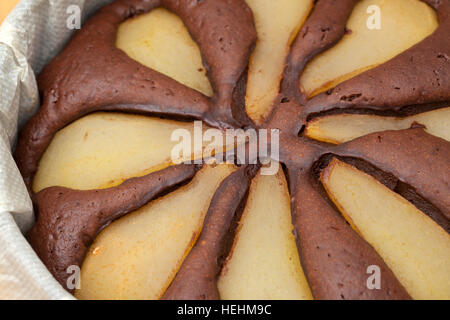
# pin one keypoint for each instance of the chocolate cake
(335, 249)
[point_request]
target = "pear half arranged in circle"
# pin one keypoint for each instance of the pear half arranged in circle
(103, 149)
(341, 128)
(277, 24)
(137, 256)
(415, 247)
(160, 40)
(264, 262)
(403, 23)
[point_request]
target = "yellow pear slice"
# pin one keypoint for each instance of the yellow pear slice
(277, 23)
(137, 256)
(415, 248)
(341, 128)
(103, 149)
(160, 40)
(264, 263)
(403, 23)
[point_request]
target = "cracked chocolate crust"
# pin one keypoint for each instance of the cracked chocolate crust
(90, 74)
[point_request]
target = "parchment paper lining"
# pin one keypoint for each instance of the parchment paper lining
(34, 32)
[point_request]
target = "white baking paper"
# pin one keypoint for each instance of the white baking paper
(34, 32)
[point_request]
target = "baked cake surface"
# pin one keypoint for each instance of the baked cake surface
(363, 150)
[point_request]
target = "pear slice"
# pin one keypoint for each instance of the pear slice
(103, 149)
(415, 248)
(277, 24)
(341, 128)
(403, 24)
(160, 40)
(264, 262)
(137, 256)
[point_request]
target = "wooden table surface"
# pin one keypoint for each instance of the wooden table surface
(5, 7)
